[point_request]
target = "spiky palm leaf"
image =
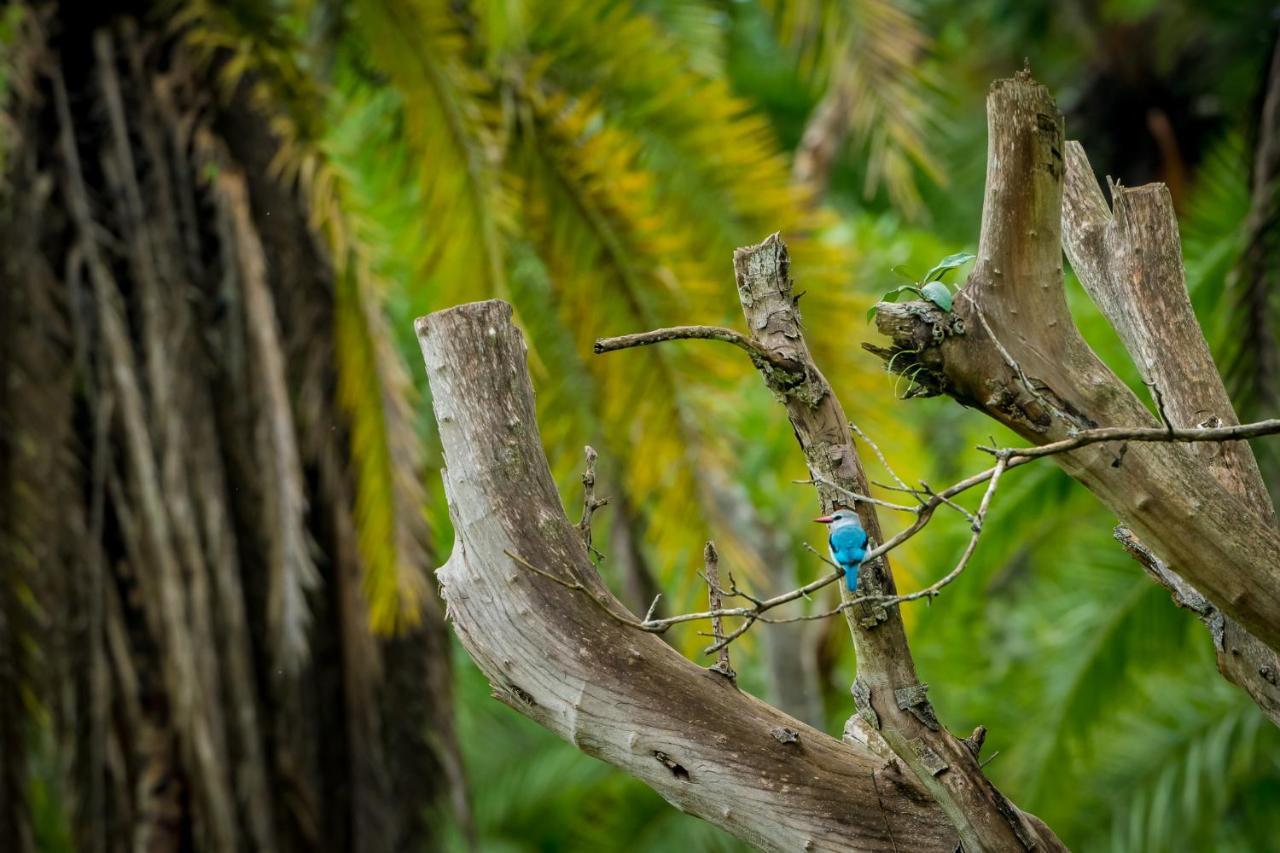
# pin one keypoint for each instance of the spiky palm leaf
(453, 125)
(866, 58)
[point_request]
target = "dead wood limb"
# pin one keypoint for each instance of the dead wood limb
(618, 694)
(1130, 261)
(981, 815)
(1010, 349)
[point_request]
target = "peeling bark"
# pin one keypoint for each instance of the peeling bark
(891, 690)
(557, 656)
(1011, 350)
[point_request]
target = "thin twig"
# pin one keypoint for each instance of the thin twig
(855, 496)
(590, 503)
(711, 560)
(1006, 458)
(933, 589)
(688, 333)
(1084, 438)
(578, 587)
(892, 488)
(928, 490)
(884, 463)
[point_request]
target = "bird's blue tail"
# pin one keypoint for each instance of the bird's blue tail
(851, 576)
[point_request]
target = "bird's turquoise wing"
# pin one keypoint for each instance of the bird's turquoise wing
(848, 538)
(848, 548)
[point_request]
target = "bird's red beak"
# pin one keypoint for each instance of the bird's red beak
(825, 519)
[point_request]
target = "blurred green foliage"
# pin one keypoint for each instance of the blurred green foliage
(596, 162)
(1102, 699)
(616, 153)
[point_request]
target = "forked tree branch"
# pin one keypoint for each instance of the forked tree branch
(1130, 261)
(519, 573)
(1010, 349)
(889, 689)
(621, 695)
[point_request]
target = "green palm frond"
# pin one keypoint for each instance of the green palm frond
(1185, 775)
(1100, 623)
(714, 160)
(866, 57)
(698, 26)
(617, 264)
(1212, 239)
(376, 392)
(452, 125)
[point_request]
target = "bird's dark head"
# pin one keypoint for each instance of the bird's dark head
(840, 516)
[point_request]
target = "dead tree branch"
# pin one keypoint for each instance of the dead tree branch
(981, 815)
(1010, 349)
(711, 563)
(590, 503)
(1130, 261)
(618, 694)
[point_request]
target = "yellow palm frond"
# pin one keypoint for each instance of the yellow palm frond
(617, 263)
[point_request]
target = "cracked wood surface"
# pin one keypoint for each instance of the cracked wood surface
(616, 693)
(1020, 359)
(1130, 262)
(888, 687)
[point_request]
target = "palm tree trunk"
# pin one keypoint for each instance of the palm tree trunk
(176, 489)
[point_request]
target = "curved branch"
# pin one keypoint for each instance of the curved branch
(693, 333)
(617, 694)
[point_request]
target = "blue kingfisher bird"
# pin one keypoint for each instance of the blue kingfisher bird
(848, 543)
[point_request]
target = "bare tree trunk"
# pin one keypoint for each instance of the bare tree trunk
(174, 462)
(1011, 350)
(560, 655)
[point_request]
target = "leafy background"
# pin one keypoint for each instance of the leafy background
(596, 162)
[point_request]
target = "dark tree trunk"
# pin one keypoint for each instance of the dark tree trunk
(176, 491)
(1254, 370)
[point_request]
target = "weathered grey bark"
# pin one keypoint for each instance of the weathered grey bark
(888, 691)
(1010, 349)
(555, 655)
(1130, 262)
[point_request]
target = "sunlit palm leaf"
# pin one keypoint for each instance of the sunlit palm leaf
(616, 264)
(451, 125)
